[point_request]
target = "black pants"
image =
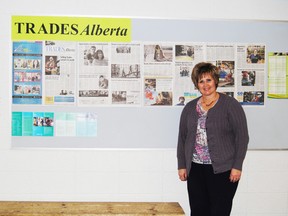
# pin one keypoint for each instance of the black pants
(210, 194)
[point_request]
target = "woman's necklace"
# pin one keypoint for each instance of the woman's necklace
(211, 102)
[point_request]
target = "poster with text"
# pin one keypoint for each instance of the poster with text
(27, 73)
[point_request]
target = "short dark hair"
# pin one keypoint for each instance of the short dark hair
(204, 68)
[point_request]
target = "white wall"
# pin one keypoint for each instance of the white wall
(129, 175)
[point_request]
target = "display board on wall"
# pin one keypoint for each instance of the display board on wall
(278, 75)
(134, 91)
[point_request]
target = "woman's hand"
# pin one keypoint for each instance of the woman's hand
(235, 175)
(182, 173)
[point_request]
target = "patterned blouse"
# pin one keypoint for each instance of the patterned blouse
(201, 152)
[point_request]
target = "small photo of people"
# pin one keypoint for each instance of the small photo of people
(123, 49)
(163, 98)
(119, 97)
(48, 122)
(89, 55)
(150, 90)
(95, 56)
(158, 53)
(226, 73)
(255, 54)
(63, 92)
(23, 63)
(184, 53)
(150, 84)
(248, 78)
(20, 63)
(254, 97)
(27, 77)
(184, 71)
(43, 122)
(52, 65)
(181, 101)
(103, 82)
(27, 89)
(35, 64)
(93, 93)
(125, 71)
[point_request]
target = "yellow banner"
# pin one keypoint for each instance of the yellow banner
(71, 28)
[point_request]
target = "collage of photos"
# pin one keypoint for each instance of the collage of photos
(126, 74)
(93, 78)
(251, 75)
(51, 124)
(27, 73)
(131, 74)
(158, 74)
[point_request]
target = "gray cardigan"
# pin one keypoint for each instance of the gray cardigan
(227, 134)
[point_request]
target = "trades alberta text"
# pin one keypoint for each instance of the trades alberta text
(69, 29)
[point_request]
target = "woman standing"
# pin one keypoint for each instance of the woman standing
(159, 54)
(212, 144)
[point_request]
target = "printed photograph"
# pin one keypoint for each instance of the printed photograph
(256, 97)
(119, 97)
(125, 71)
(256, 54)
(158, 53)
(95, 55)
(226, 73)
(52, 65)
(184, 53)
(248, 78)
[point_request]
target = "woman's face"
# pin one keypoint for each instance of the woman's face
(206, 85)
(100, 55)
